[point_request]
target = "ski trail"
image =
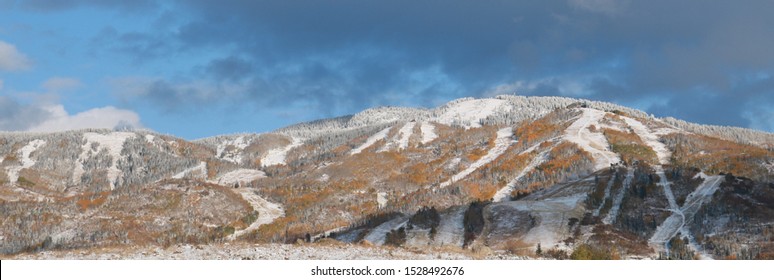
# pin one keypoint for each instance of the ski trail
(503, 193)
(502, 142)
(618, 198)
(405, 133)
(277, 156)
(371, 140)
(607, 194)
(428, 132)
(592, 142)
(239, 176)
(650, 139)
(267, 211)
(201, 168)
(676, 222)
(26, 161)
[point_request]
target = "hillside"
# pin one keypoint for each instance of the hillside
(546, 177)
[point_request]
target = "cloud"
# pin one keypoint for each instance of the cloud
(343, 56)
(15, 116)
(11, 59)
(19, 117)
(106, 117)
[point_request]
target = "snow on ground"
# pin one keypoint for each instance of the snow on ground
(676, 222)
(234, 154)
(113, 142)
(240, 176)
(277, 156)
(328, 250)
(405, 133)
(451, 229)
(650, 139)
(149, 138)
(267, 211)
(381, 199)
(428, 132)
(26, 161)
(378, 234)
(401, 140)
(504, 192)
(468, 112)
(502, 142)
(371, 140)
(552, 214)
(198, 171)
(592, 142)
(618, 198)
(607, 194)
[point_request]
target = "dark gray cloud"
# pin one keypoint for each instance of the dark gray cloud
(15, 116)
(345, 55)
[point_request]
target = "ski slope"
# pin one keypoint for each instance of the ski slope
(540, 158)
(592, 142)
(502, 142)
(198, 171)
(618, 198)
(371, 140)
(267, 211)
(240, 176)
(428, 132)
(277, 156)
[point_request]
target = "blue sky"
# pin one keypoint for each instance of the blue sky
(202, 68)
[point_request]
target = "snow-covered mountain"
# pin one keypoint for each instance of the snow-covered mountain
(572, 177)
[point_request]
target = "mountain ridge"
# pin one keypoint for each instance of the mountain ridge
(504, 173)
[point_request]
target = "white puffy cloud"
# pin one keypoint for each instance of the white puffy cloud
(11, 59)
(105, 117)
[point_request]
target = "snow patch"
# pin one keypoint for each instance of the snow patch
(502, 142)
(24, 157)
(428, 132)
(592, 142)
(381, 199)
(371, 140)
(277, 156)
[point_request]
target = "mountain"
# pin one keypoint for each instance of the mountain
(536, 176)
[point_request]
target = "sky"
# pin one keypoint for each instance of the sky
(201, 68)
